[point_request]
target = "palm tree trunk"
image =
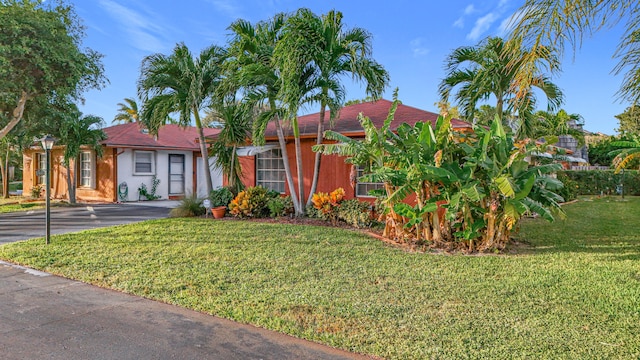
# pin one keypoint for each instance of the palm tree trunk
(296, 139)
(4, 169)
(203, 151)
(233, 175)
(285, 161)
(316, 166)
(71, 193)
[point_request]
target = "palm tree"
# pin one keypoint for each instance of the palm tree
(482, 71)
(252, 66)
(76, 131)
(127, 111)
(236, 120)
(551, 125)
(322, 46)
(180, 83)
(544, 23)
(630, 151)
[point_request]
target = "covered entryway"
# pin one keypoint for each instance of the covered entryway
(176, 174)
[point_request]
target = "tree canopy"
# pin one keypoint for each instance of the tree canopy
(629, 120)
(41, 55)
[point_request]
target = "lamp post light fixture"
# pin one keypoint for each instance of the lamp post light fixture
(47, 145)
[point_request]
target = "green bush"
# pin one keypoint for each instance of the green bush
(190, 206)
(570, 189)
(355, 213)
(280, 206)
(596, 182)
(251, 202)
(220, 197)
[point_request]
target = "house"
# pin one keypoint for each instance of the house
(131, 157)
(263, 165)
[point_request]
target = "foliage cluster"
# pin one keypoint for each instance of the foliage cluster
(602, 182)
(252, 202)
(470, 189)
(190, 206)
(36, 191)
(355, 213)
(149, 194)
(220, 197)
(328, 204)
(280, 206)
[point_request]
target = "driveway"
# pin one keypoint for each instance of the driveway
(23, 225)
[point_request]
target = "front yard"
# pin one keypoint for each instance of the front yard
(570, 289)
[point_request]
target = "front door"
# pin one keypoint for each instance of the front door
(176, 174)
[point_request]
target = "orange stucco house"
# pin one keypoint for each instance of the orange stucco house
(263, 165)
(131, 157)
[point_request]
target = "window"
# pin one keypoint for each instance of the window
(363, 188)
(87, 170)
(143, 163)
(41, 169)
(270, 170)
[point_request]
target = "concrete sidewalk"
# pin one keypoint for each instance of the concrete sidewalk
(48, 317)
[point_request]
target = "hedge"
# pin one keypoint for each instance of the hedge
(596, 182)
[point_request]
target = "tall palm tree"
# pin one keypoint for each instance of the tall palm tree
(127, 111)
(180, 83)
(76, 131)
(482, 71)
(543, 23)
(323, 47)
(252, 66)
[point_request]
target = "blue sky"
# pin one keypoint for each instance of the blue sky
(410, 38)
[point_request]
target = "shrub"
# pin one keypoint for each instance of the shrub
(221, 197)
(143, 192)
(570, 189)
(355, 213)
(596, 182)
(280, 206)
(36, 191)
(190, 206)
(328, 203)
(251, 202)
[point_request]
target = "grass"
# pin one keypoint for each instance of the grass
(18, 203)
(574, 292)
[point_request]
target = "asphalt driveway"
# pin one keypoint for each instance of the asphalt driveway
(23, 225)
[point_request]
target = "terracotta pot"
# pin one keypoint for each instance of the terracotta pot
(218, 212)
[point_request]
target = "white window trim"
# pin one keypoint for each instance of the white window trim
(40, 180)
(92, 169)
(284, 181)
(153, 162)
(360, 170)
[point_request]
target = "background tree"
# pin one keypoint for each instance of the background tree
(76, 132)
(127, 111)
(323, 47)
(477, 73)
(629, 120)
(42, 56)
(552, 125)
(180, 83)
(545, 23)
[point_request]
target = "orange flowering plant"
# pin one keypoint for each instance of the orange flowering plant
(328, 203)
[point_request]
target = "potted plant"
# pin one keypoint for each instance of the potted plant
(219, 199)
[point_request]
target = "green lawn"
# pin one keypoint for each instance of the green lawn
(573, 293)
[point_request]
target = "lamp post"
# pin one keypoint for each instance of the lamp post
(47, 145)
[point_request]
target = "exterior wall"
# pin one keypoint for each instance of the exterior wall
(103, 191)
(216, 175)
(126, 175)
(334, 172)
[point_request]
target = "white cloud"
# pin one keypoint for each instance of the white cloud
(470, 9)
(507, 24)
(418, 48)
(228, 7)
(481, 26)
(459, 23)
(143, 32)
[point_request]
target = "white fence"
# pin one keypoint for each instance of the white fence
(575, 167)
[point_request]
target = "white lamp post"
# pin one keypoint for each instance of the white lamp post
(47, 145)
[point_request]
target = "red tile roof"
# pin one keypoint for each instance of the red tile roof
(377, 111)
(169, 137)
